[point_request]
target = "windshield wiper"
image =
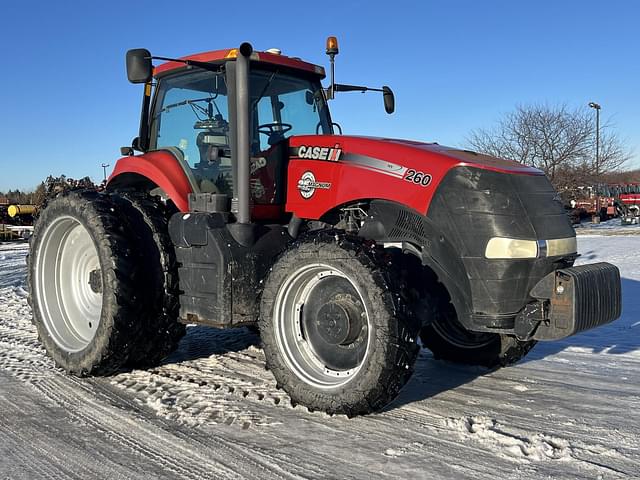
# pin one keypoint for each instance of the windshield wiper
(186, 102)
(264, 90)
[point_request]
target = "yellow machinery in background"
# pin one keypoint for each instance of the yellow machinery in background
(15, 210)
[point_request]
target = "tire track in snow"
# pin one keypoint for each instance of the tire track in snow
(521, 445)
(77, 397)
(532, 434)
(228, 379)
(22, 354)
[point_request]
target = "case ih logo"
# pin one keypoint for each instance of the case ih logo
(320, 153)
(307, 185)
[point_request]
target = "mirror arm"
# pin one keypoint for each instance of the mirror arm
(339, 87)
(386, 91)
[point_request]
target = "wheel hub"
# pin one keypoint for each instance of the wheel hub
(95, 280)
(339, 322)
(332, 323)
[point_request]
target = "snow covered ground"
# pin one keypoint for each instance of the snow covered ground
(571, 409)
(608, 227)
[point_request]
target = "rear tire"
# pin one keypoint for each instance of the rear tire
(335, 328)
(87, 283)
(162, 333)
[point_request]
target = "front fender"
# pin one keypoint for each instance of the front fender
(163, 168)
(389, 222)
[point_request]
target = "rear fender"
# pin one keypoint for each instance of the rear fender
(163, 168)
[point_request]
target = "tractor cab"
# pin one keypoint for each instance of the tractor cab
(193, 115)
(225, 118)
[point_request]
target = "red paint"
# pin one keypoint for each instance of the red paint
(221, 55)
(350, 182)
(630, 198)
(163, 169)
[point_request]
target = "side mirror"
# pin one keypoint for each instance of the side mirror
(139, 68)
(389, 100)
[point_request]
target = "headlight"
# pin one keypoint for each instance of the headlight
(506, 248)
(562, 246)
(511, 248)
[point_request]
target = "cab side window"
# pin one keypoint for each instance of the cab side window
(192, 116)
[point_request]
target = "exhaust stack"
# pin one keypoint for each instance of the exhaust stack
(243, 145)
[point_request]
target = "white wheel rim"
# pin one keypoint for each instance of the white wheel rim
(68, 287)
(297, 352)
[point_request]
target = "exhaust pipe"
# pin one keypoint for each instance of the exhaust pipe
(243, 140)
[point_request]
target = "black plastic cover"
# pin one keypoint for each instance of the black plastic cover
(220, 278)
(469, 207)
(204, 255)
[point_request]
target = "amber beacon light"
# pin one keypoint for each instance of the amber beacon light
(332, 46)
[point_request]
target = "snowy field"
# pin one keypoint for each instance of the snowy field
(608, 227)
(571, 409)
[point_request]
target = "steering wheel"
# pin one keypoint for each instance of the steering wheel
(274, 128)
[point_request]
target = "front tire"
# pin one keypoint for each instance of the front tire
(449, 340)
(334, 326)
(86, 283)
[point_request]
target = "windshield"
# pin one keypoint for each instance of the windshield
(191, 114)
(284, 105)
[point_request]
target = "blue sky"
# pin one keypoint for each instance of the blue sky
(66, 106)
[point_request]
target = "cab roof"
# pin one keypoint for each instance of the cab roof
(219, 56)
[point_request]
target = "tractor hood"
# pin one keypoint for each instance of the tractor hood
(404, 153)
(330, 170)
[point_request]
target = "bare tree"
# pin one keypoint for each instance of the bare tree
(558, 141)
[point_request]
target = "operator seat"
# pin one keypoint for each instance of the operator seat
(213, 147)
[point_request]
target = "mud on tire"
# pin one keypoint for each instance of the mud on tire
(314, 366)
(87, 282)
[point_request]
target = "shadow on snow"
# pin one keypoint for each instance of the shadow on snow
(432, 376)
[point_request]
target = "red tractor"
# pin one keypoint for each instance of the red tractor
(244, 207)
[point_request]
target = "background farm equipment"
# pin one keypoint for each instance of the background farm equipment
(16, 221)
(606, 202)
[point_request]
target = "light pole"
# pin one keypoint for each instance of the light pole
(104, 171)
(597, 107)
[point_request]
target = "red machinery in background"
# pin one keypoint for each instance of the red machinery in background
(608, 201)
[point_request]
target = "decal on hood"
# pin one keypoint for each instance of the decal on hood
(307, 185)
(373, 164)
(376, 165)
(310, 152)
